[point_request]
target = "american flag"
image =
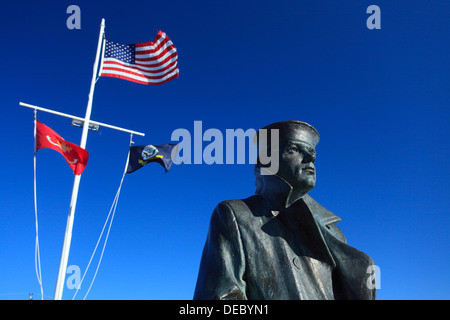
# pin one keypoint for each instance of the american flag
(147, 62)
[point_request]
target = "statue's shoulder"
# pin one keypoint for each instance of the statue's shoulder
(230, 213)
(244, 206)
(245, 211)
(235, 207)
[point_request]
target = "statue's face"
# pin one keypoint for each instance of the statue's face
(297, 163)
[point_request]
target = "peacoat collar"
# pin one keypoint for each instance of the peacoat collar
(280, 195)
(351, 265)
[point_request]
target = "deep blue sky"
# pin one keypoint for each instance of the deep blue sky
(379, 98)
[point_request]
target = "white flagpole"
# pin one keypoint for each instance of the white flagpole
(76, 183)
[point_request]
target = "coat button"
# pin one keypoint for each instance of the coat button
(296, 262)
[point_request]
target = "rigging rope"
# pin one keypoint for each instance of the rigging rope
(112, 211)
(37, 255)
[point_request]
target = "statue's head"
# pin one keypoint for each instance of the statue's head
(296, 153)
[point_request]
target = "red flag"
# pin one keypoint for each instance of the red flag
(75, 156)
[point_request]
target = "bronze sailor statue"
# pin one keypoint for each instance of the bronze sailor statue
(280, 243)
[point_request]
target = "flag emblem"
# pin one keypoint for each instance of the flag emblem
(149, 152)
(154, 62)
(142, 155)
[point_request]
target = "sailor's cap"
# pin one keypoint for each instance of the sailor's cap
(292, 129)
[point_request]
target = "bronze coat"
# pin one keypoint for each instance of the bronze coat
(257, 249)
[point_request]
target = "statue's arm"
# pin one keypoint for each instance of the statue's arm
(223, 263)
